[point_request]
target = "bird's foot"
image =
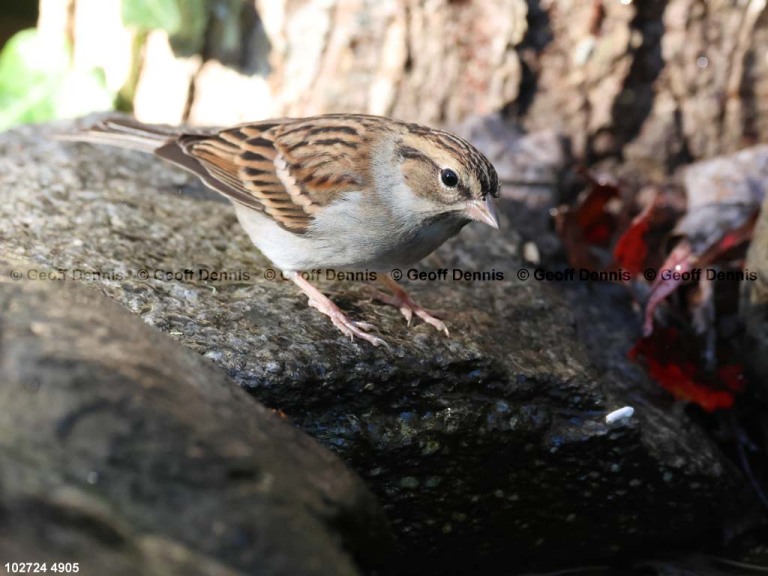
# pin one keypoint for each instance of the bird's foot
(321, 302)
(403, 302)
(347, 327)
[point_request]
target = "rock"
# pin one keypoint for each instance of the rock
(484, 447)
(128, 454)
(738, 178)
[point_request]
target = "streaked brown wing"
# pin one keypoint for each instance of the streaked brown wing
(287, 169)
(328, 156)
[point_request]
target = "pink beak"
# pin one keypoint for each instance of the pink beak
(483, 211)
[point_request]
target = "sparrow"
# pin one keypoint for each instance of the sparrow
(339, 191)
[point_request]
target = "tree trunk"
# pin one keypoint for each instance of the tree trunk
(657, 82)
(427, 60)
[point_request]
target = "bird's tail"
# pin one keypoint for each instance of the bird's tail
(125, 133)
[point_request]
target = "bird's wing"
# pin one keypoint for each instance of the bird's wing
(288, 169)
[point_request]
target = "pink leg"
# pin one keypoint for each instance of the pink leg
(322, 303)
(401, 300)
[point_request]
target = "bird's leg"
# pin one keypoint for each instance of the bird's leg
(402, 301)
(322, 303)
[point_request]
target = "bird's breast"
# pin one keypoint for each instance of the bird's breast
(347, 237)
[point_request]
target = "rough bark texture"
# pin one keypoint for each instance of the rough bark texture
(710, 94)
(594, 76)
(428, 60)
(658, 82)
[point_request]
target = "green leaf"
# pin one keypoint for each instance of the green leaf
(152, 14)
(37, 83)
(189, 38)
(29, 57)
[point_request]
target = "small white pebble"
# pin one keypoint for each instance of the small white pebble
(619, 414)
(531, 253)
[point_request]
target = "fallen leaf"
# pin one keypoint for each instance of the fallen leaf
(673, 363)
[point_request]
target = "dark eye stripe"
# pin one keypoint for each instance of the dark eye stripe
(463, 151)
(410, 153)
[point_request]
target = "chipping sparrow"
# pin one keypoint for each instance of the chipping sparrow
(341, 191)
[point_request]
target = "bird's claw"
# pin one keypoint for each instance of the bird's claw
(346, 326)
(403, 302)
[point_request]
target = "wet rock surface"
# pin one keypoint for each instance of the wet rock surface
(482, 447)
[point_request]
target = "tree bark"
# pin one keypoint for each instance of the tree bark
(427, 60)
(658, 83)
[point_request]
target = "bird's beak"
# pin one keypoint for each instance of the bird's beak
(483, 211)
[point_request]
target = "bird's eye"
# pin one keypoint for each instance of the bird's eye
(449, 177)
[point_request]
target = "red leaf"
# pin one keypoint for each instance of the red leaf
(588, 224)
(631, 250)
(674, 365)
(679, 262)
(596, 224)
(599, 234)
(638, 246)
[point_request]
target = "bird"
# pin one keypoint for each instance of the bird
(336, 191)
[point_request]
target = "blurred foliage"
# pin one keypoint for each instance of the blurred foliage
(38, 82)
(149, 14)
(183, 20)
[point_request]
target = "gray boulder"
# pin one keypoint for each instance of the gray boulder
(127, 454)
